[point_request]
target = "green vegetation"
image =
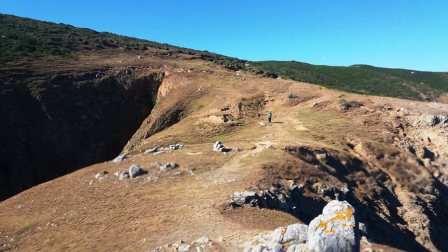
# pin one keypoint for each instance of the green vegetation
(27, 37)
(346, 105)
(362, 79)
(23, 37)
(292, 96)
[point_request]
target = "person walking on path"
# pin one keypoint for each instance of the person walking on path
(269, 116)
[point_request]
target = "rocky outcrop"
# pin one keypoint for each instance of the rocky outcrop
(398, 200)
(334, 230)
(53, 125)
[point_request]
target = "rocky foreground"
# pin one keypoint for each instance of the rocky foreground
(334, 230)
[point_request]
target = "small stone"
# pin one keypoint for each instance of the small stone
(427, 162)
(183, 247)
(166, 167)
(200, 249)
(135, 171)
(218, 146)
(101, 174)
(241, 198)
(365, 240)
(270, 146)
(151, 150)
(123, 175)
(432, 120)
(202, 240)
(362, 228)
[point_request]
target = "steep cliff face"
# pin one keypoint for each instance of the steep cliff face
(55, 125)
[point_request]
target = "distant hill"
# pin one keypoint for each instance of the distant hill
(364, 79)
(22, 38)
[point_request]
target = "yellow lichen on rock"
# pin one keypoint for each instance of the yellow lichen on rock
(342, 216)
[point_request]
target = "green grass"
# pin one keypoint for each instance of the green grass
(364, 79)
(24, 37)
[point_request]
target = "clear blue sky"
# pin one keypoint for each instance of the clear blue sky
(390, 33)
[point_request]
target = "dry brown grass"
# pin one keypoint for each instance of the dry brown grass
(73, 213)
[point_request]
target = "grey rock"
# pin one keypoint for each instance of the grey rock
(151, 150)
(218, 146)
(120, 158)
(296, 248)
(296, 232)
(202, 240)
(277, 235)
(123, 175)
(265, 247)
(183, 247)
(334, 229)
(174, 147)
(279, 239)
(135, 171)
(241, 198)
(101, 174)
(200, 249)
(256, 248)
(433, 120)
(166, 167)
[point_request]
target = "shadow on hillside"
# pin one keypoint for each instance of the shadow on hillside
(368, 192)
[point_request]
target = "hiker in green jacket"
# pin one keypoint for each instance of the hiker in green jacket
(270, 116)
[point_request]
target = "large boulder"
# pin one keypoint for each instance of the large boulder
(334, 230)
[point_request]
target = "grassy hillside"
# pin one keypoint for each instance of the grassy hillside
(24, 37)
(363, 79)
